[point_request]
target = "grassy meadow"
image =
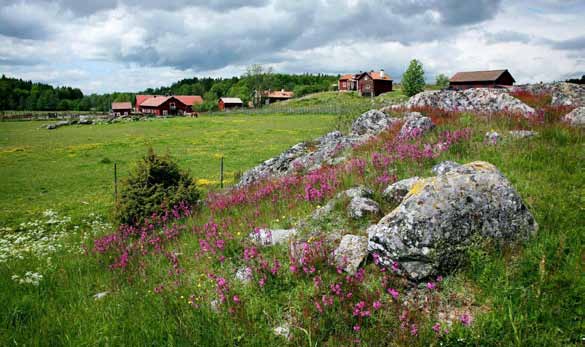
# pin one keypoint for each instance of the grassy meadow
(70, 169)
(162, 285)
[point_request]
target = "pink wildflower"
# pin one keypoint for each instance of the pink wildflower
(394, 293)
(466, 319)
(236, 299)
(377, 305)
(431, 285)
(356, 328)
(413, 330)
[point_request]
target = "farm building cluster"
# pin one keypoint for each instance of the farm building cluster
(369, 83)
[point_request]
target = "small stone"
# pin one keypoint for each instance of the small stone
(492, 137)
(100, 295)
(522, 134)
(267, 237)
(244, 274)
(282, 330)
(351, 253)
(416, 124)
(359, 207)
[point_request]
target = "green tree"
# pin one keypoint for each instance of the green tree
(442, 81)
(413, 80)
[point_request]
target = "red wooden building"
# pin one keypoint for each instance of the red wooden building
(366, 83)
(164, 106)
(271, 96)
(121, 108)
(183, 104)
(482, 79)
(229, 103)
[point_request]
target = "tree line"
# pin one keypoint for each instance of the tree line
(20, 95)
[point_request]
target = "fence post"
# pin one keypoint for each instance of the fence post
(116, 182)
(221, 172)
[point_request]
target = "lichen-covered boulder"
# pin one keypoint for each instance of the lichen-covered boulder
(351, 253)
(395, 192)
(576, 117)
(416, 124)
(443, 215)
(360, 207)
(351, 193)
(371, 123)
(444, 167)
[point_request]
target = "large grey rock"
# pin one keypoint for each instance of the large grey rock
(444, 167)
(351, 193)
(351, 252)
(395, 192)
(372, 123)
(483, 100)
(58, 124)
(85, 120)
(360, 207)
(441, 216)
(267, 237)
(576, 117)
(416, 124)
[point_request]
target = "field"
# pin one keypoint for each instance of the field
(71, 169)
(173, 282)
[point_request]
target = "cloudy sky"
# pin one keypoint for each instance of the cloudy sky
(130, 45)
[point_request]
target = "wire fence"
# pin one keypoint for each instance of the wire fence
(48, 115)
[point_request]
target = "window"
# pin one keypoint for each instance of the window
(172, 105)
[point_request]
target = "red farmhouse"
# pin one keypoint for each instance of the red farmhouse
(366, 83)
(481, 79)
(167, 105)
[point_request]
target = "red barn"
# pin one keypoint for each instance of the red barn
(164, 106)
(482, 79)
(121, 108)
(228, 103)
(189, 101)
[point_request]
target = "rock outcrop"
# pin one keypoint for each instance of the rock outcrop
(351, 253)
(443, 215)
(444, 167)
(324, 150)
(563, 93)
(482, 100)
(576, 118)
(522, 134)
(372, 123)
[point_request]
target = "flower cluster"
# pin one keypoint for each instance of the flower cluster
(29, 277)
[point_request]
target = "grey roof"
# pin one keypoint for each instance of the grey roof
(231, 100)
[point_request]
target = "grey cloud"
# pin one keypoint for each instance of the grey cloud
(577, 43)
(457, 12)
(508, 36)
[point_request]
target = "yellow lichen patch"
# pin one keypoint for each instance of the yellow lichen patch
(481, 166)
(416, 188)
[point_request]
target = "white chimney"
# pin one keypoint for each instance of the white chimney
(382, 73)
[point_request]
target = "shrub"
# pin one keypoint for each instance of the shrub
(155, 182)
(413, 80)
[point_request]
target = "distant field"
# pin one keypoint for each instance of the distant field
(71, 169)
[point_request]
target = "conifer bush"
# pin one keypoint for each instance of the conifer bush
(155, 182)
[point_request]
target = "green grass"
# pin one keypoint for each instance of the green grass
(523, 295)
(71, 169)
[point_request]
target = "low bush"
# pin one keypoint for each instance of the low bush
(156, 181)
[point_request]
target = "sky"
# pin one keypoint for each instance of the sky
(130, 45)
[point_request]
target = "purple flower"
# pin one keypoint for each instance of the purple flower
(356, 328)
(431, 285)
(236, 299)
(466, 319)
(377, 305)
(393, 292)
